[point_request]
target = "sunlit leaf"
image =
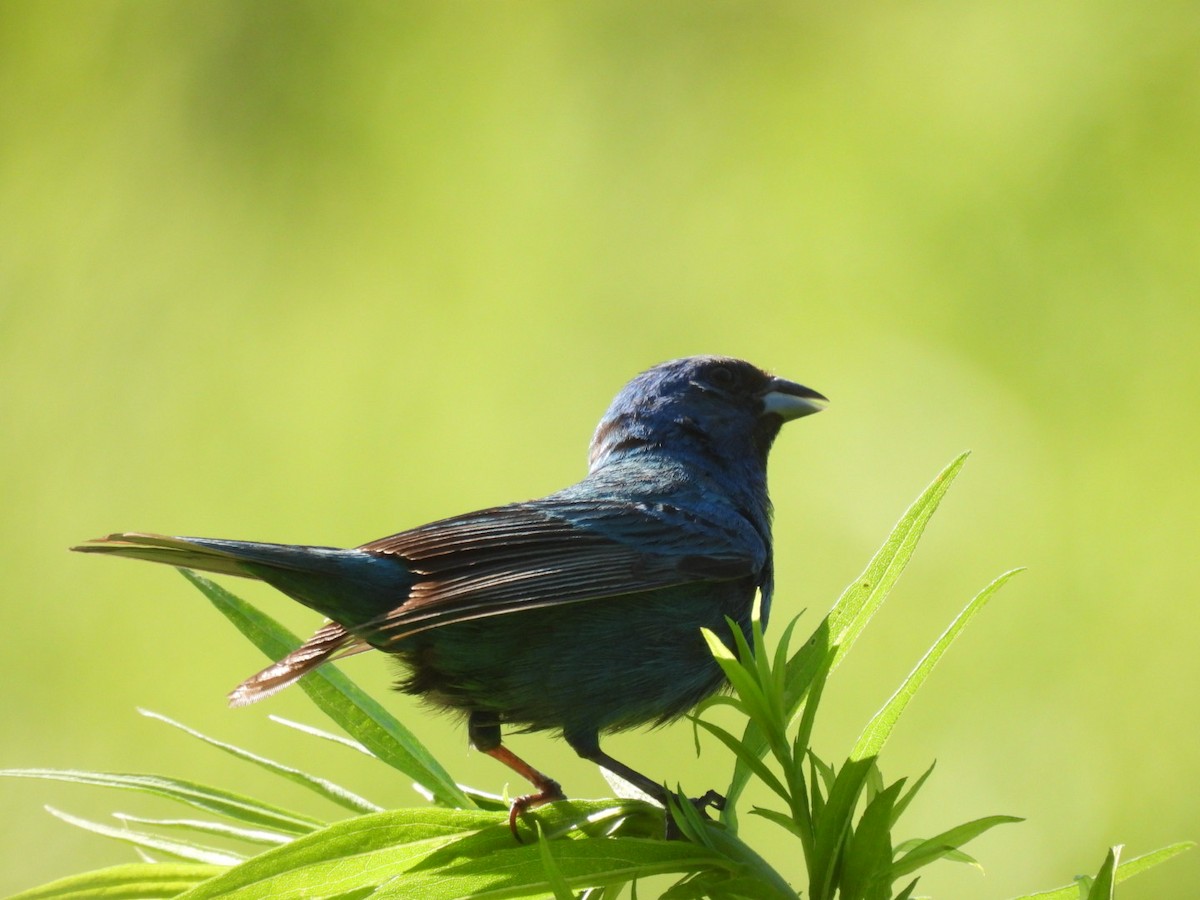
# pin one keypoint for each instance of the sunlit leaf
(126, 882)
(186, 850)
(1123, 871)
(212, 800)
(362, 717)
(875, 735)
(218, 829)
(849, 616)
(327, 789)
(442, 853)
(940, 845)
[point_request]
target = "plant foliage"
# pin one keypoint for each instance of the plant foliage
(842, 816)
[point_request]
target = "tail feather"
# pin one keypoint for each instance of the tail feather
(173, 551)
(351, 588)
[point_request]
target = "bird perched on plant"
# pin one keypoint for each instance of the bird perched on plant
(579, 612)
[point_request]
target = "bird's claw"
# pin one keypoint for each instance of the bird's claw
(709, 800)
(550, 791)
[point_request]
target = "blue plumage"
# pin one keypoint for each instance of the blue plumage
(579, 612)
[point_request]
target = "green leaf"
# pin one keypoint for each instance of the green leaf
(875, 735)
(220, 829)
(868, 855)
(363, 852)
(212, 800)
(950, 855)
(811, 705)
(436, 853)
(833, 826)
(180, 849)
(747, 865)
(866, 594)
(740, 674)
(765, 775)
(554, 875)
(718, 886)
(687, 818)
(359, 715)
(826, 771)
(779, 664)
(781, 819)
(327, 789)
(322, 734)
(133, 881)
(1104, 884)
(849, 616)
(1125, 870)
(944, 844)
(907, 797)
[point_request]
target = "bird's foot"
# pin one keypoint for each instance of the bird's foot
(485, 731)
(709, 800)
(548, 791)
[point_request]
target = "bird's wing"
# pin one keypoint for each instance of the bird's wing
(331, 641)
(555, 551)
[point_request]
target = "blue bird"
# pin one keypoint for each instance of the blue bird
(578, 613)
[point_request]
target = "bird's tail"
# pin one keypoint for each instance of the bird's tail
(245, 558)
(349, 587)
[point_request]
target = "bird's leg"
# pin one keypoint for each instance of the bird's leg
(484, 731)
(588, 746)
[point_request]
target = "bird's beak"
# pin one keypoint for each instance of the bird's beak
(789, 400)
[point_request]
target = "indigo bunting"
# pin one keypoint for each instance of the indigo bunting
(579, 612)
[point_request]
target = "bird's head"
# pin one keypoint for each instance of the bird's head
(715, 406)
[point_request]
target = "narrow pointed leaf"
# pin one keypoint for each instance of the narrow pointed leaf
(849, 616)
(808, 717)
(554, 875)
(833, 826)
(781, 819)
(757, 765)
(212, 800)
(125, 882)
(1105, 883)
(779, 662)
(863, 598)
(939, 845)
(868, 855)
(816, 791)
(875, 735)
(826, 771)
(1125, 870)
(687, 819)
(770, 883)
(358, 853)
(739, 674)
(220, 829)
(958, 856)
(362, 717)
(436, 853)
(327, 789)
(180, 849)
(322, 734)
(907, 797)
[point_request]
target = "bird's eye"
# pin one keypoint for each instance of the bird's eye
(722, 376)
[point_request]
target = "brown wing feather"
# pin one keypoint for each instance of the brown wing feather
(330, 640)
(526, 556)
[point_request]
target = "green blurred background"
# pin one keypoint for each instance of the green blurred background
(318, 272)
